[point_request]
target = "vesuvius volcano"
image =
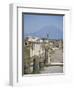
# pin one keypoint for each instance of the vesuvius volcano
(53, 32)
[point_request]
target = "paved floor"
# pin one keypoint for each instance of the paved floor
(57, 57)
(52, 69)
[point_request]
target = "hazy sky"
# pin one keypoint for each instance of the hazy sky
(34, 23)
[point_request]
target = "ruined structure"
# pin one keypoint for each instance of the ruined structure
(37, 53)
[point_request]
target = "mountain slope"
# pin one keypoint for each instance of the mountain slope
(52, 31)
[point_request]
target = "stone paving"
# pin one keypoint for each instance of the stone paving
(57, 56)
(52, 69)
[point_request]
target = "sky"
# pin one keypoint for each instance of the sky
(40, 25)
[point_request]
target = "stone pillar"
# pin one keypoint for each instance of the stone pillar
(41, 65)
(49, 56)
(46, 57)
(49, 59)
(26, 69)
(35, 65)
(60, 44)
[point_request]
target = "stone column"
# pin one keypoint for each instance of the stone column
(36, 65)
(46, 57)
(26, 69)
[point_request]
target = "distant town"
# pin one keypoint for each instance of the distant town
(43, 55)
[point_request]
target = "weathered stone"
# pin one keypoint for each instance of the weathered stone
(36, 65)
(26, 69)
(41, 65)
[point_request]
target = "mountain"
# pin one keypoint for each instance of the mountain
(52, 32)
